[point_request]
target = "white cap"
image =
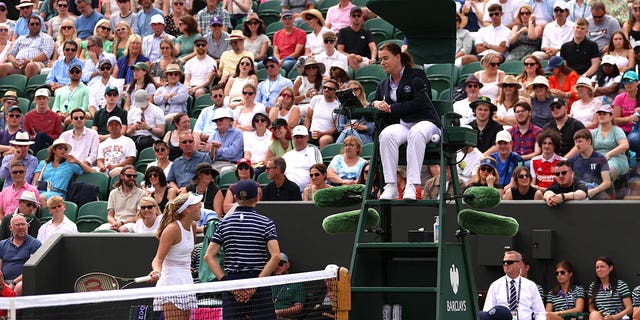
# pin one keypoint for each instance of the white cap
(609, 59)
(140, 98)
(222, 113)
(114, 118)
(503, 135)
(300, 130)
(42, 92)
(560, 4)
(157, 19)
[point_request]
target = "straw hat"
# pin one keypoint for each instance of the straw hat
(21, 139)
(173, 68)
(312, 62)
(60, 141)
(235, 35)
(509, 79)
(9, 95)
(315, 13)
(583, 82)
(538, 80)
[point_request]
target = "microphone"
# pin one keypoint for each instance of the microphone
(481, 197)
(486, 223)
(347, 222)
(418, 85)
(338, 197)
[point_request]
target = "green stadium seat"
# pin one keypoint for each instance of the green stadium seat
(17, 82)
(42, 154)
(293, 74)
(324, 5)
(468, 69)
(147, 154)
(330, 151)
(263, 179)
(34, 83)
(444, 95)
(443, 70)
(195, 112)
(91, 215)
(369, 76)
(396, 41)
(99, 179)
(227, 179)
(141, 165)
(380, 28)
(273, 28)
(23, 103)
(367, 151)
(71, 212)
(514, 67)
(204, 99)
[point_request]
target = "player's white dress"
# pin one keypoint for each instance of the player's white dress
(176, 269)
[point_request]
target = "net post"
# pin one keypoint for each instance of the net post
(343, 305)
(12, 309)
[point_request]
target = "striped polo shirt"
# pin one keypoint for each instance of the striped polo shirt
(244, 235)
(562, 301)
(608, 301)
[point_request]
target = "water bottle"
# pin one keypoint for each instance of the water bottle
(386, 312)
(605, 100)
(397, 312)
(436, 229)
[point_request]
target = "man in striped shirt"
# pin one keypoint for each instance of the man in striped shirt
(246, 237)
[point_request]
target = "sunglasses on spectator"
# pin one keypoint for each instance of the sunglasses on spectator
(508, 85)
(328, 88)
(525, 13)
(146, 207)
(245, 63)
(270, 66)
(281, 263)
(171, 74)
(245, 167)
(105, 28)
(287, 18)
(3, 9)
(317, 174)
(152, 175)
(356, 15)
(558, 10)
(188, 141)
(627, 81)
(561, 272)
(529, 64)
(473, 86)
(105, 68)
(160, 149)
(112, 94)
(538, 86)
(165, 48)
(178, 3)
(31, 204)
(260, 120)
(253, 23)
(311, 67)
(55, 207)
(63, 5)
(70, 49)
(556, 107)
(66, 27)
(598, 17)
(509, 262)
(494, 64)
(34, 23)
(61, 147)
(78, 118)
(75, 71)
(494, 14)
(247, 93)
(561, 173)
(486, 168)
(201, 45)
(14, 115)
(328, 41)
(17, 172)
(524, 176)
(215, 96)
(129, 175)
(121, 29)
(286, 95)
(3, 30)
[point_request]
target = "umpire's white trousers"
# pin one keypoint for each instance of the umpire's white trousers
(417, 136)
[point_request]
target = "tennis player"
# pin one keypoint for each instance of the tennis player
(171, 265)
(246, 237)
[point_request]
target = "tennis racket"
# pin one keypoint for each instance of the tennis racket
(98, 281)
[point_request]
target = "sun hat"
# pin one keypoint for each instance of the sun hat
(21, 139)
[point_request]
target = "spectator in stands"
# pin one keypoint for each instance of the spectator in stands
(255, 244)
(541, 99)
(318, 175)
(314, 43)
(21, 26)
(289, 298)
(566, 187)
(288, 42)
(506, 160)
(123, 202)
(142, 25)
(13, 190)
(146, 121)
(346, 167)
(86, 22)
(468, 160)
(330, 55)
(63, 14)
(53, 174)
(475, 11)
(280, 188)
(356, 42)
(30, 52)
(148, 217)
(244, 74)
(625, 109)
(269, 89)
(507, 98)
(84, 141)
(200, 70)
(98, 89)
(524, 133)
(486, 175)
(610, 141)
(161, 152)
(212, 10)
(8, 102)
(557, 32)
(5, 290)
(566, 297)
(184, 42)
(244, 171)
(490, 76)
(156, 185)
(59, 74)
(102, 30)
(564, 125)
(202, 183)
(603, 27)
(15, 251)
(125, 15)
(226, 142)
(20, 146)
(529, 303)
(151, 43)
(338, 72)
(122, 33)
(172, 97)
(141, 80)
(282, 140)
(229, 59)
(320, 119)
(217, 42)
(532, 69)
(493, 38)
(117, 150)
(181, 123)
(93, 65)
(591, 167)
(464, 41)
(581, 54)
(59, 222)
(132, 60)
(337, 16)
(361, 129)
(521, 188)
(285, 108)
(608, 295)
(432, 187)
(184, 167)
(584, 109)
(110, 109)
(462, 107)
(42, 124)
(308, 83)
(167, 57)
(541, 166)
(608, 79)
(526, 34)
(248, 108)
(301, 158)
(75, 93)
(257, 141)
(205, 126)
(27, 206)
(487, 128)
(256, 40)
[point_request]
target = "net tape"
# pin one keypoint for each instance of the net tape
(65, 299)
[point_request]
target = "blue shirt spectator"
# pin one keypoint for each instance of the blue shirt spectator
(22, 27)
(30, 163)
(14, 257)
(60, 71)
(86, 24)
(184, 169)
(142, 26)
(269, 90)
(124, 70)
(232, 148)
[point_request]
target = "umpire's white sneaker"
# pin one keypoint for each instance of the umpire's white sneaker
(390, 192)
(409, 192)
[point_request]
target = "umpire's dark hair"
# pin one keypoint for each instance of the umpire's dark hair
(395, 49)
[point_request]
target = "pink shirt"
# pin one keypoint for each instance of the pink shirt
(9, 197)
(339, 17)
(287, 42)
(627, 106)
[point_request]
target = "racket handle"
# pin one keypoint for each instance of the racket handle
(142, 279)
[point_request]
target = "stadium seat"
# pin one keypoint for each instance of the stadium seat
(514, 68)
(71, 212)
(468, 69)
(141, 165)
(371, 95)
(263, 179)
(147, 154)
(91, 215)
(380, 28)
(443, 70)
(367, 151)
(324, 5)
(42, 154)
(273, 28)
(369, 76)
(195, 112)
(204, 99)
(360, 3)
(396, 41)
(330, 151)
(17, 82)
(34, 83)
(226, 180)
(99, 179)
(269, 11)
(304, 26)
(444, 95)
(293, 74)
(440, 84)
(23, 103)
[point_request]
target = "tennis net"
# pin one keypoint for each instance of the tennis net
(323, 294)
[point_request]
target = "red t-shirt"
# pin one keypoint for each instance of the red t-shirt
(48, 122)
(286, 43)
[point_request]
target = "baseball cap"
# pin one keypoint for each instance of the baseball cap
(157, 19)
(608, 59)
(554, 62)
(630, 75)
(42, 92)
(503, 135)
(104, 61)
(246, 161)
(140, 65)
(200, 39)
(272, 59)
(111, 88)
(496, 313)
(489, 161)
(355, 9)
(560, 4)
(286, 13)
(74, 66)
(300, 130)
(279, 122)
(245, 190)
(114, 118)
(557, 101)
(605, 108)
(215, 20)
(284, 257)
(140, 98)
